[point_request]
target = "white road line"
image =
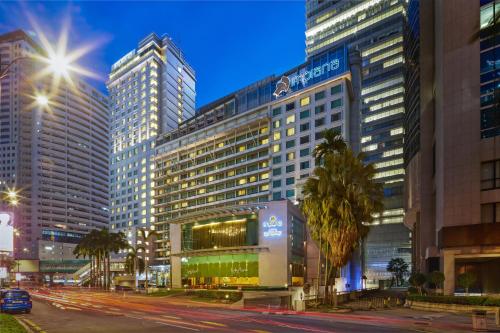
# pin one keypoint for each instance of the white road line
(179, 326)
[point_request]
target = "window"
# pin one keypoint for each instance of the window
(304, 165)
(336, 103)
(290, 181)
(277, 172)
(277, 183)
(304, 127)
(335, 117)
(290, 131)
(305, 101)
(290, 156)
(318, 135)
(276, 112)
(276, 148)
(319, 122)
(490, 213)
(276, 136)
(304, 139)
(290, 119)
(319, 109)
(276, 124)
(336, 89)
(276, 159)
(490, 175)
(319, 95)
(304, 152)
(290, 193)
(290, 106)
(304, 114)
(276, 195)
(290, 168)
(290, 144)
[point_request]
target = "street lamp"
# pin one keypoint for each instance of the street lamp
(42, 100)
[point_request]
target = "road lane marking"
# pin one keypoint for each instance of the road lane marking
(213, 323)
(178, 326)
(170, 317)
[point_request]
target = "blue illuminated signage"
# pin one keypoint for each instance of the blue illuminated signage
(272, 227)
(319, 68)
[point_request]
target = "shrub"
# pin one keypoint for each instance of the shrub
(492, 302)
(436, 278)
(461, 300)
(231, 296)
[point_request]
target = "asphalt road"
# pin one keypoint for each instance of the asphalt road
(87, 312)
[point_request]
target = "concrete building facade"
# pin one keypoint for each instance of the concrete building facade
(451, 188)
(55, 156)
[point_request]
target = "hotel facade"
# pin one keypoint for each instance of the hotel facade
(226, 180)
(152, 90)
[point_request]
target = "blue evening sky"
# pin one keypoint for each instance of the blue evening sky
(229, 44)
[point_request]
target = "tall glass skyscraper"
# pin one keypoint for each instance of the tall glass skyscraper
(375, 29)
(152, 90)
(490, 68)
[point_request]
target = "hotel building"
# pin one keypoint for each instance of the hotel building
(221, 179)
(375, 28)
(453, 161)
(152, 91)
(56, 156)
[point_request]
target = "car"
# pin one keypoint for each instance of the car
(15, 300)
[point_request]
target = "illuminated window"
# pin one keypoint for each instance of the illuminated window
(305, 101)
(276, 148)
(276, 123)
(290, 131)
(290, 119)
(276, 136)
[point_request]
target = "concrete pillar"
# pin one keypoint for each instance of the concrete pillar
(449, 271)
(355, 109)
(175, 261)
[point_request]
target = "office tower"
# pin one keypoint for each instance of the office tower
(375, 29)
(221, 173)
(152, 90)
(54, 151)
(452, 188)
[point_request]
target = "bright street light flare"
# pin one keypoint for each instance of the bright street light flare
(42, 100)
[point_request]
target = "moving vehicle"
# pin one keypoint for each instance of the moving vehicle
(15, 300)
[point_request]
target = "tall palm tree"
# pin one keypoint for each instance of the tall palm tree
(146, 235)
(134, 264)
(98, 245)
(117, 242)
(339, 199)
(333, 143)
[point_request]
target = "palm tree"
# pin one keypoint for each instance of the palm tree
(147, 236)
(339, 199)
(117, 242)
(333, 143)
(134, 264)
(98, 245)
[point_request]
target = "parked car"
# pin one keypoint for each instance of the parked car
(15, 300)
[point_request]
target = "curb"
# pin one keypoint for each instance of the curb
(24, 325)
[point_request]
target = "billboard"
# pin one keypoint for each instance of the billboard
(6, 232)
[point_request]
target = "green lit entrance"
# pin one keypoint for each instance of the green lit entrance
(220, 270)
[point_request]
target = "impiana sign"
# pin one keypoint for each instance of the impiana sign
(273, 227)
